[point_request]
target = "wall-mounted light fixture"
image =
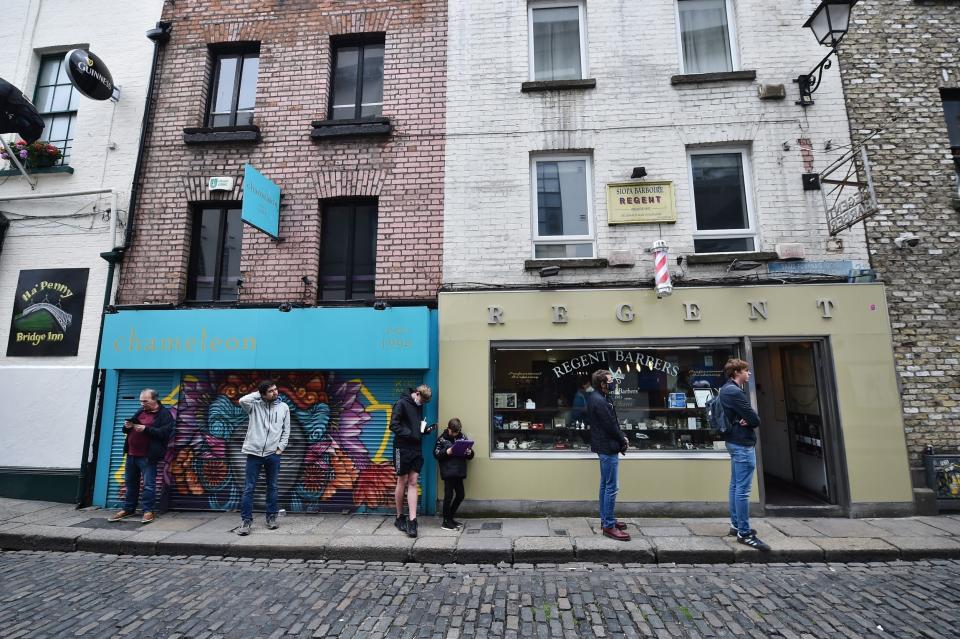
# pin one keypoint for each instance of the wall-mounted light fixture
(639, 172)
(829, 23)
(549, 271)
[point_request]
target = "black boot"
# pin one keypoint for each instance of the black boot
(412, 528)
(401, 523)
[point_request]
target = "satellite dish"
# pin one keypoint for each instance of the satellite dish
(17, 113)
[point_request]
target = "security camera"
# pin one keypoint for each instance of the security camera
(906, 239)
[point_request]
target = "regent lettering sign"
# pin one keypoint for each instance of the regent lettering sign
(89, 74)
(48, 312)
(640, 203)
(690, 311)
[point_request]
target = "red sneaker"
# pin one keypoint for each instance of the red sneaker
(613, 533)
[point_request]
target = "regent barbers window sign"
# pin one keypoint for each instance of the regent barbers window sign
(89, 74)
(640, 203)
(48, 312)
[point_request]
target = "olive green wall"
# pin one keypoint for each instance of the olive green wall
(859, 338)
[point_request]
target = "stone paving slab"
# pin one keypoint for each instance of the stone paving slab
(925, 547)
(846, 549)
(194, 543)
(572, 526)
(301, 547)
(784, 549)
(662, 531)
(692, 550)
(525, 528)
(792, 527)
(596, 548)
(484, 550)
(907, 527)
(539, 550)
(857, 528)
(363, 548)
(434, 550)
(105, 541)
(950, 525)
(42, 537)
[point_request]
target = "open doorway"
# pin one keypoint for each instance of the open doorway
(798, 441)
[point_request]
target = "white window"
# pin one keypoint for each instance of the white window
(722, 196)
(562, 207)
(706, 36)
(557, 41)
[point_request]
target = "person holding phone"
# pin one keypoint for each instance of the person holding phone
(409, 427)
(148, 432)
(607, 441)
(453, 470)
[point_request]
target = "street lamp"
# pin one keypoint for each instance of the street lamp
(829, 23)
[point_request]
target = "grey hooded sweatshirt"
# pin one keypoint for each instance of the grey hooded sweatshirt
(269, 428)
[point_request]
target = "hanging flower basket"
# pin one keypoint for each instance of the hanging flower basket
(38, 155)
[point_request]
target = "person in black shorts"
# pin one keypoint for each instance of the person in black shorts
(409, 427)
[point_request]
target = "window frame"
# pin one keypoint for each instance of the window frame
(582, 24)
(718, 234)
(536, 238)
(240, 51)
(192, 266)
(732, 39)
(70, 114)
(362, 41)
(952, 96)
(353, 203)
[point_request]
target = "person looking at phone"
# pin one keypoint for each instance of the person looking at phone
(148, 433)
(453, 469)
(409, 427)
(607, 441)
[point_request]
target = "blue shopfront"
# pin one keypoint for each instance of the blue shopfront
(338, 369)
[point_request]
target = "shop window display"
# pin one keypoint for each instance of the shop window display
(538, 399)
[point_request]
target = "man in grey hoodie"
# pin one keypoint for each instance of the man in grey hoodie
(268, 432)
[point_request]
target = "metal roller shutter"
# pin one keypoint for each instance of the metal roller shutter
(339, 457)
(167, 384)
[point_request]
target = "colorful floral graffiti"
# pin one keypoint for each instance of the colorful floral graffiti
(338, 456)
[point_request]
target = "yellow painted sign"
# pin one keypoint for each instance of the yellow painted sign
(640, 203)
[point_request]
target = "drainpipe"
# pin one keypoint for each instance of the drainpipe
(159, 35)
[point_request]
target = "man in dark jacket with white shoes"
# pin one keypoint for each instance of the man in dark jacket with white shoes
(607, 441)
(741, 444)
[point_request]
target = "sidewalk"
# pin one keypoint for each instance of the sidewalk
(34, 525)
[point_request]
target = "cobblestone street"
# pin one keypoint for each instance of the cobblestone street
(47, 594)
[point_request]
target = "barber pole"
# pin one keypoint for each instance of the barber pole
(661, 269)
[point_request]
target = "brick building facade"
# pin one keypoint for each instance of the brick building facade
(402, 169)
(900, 67)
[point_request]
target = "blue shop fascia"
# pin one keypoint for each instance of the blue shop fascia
(339, 370)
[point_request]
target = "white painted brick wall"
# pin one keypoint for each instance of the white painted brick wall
(52, 392)
(634, 117)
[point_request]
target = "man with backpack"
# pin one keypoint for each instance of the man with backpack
(741, 438)
(148, 432)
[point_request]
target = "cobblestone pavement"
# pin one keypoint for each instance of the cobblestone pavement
(47, 594)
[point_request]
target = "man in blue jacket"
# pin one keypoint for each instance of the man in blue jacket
(607, 441)
(741, 443)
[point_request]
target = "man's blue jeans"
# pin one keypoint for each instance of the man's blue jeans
(271, 468)
(743, 460)
(137, 467)
(609, 487)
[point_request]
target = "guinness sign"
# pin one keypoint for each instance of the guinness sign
(89, 74)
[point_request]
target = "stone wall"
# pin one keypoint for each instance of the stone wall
(895, 59)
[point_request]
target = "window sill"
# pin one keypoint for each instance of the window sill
(222, 135)
(40, 171)
(534, 265)
(558, 85)
(323, 129)
(725, 76)
(725, 258)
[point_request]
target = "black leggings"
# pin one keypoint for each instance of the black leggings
(451, 502)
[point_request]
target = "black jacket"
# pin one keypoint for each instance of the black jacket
(405, 423)
(606, 438)
(160, 433)
(450, 467)
(736, 406)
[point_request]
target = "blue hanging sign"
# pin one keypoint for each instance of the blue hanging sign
(261, 202)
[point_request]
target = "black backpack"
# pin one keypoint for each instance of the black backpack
(717, 416)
